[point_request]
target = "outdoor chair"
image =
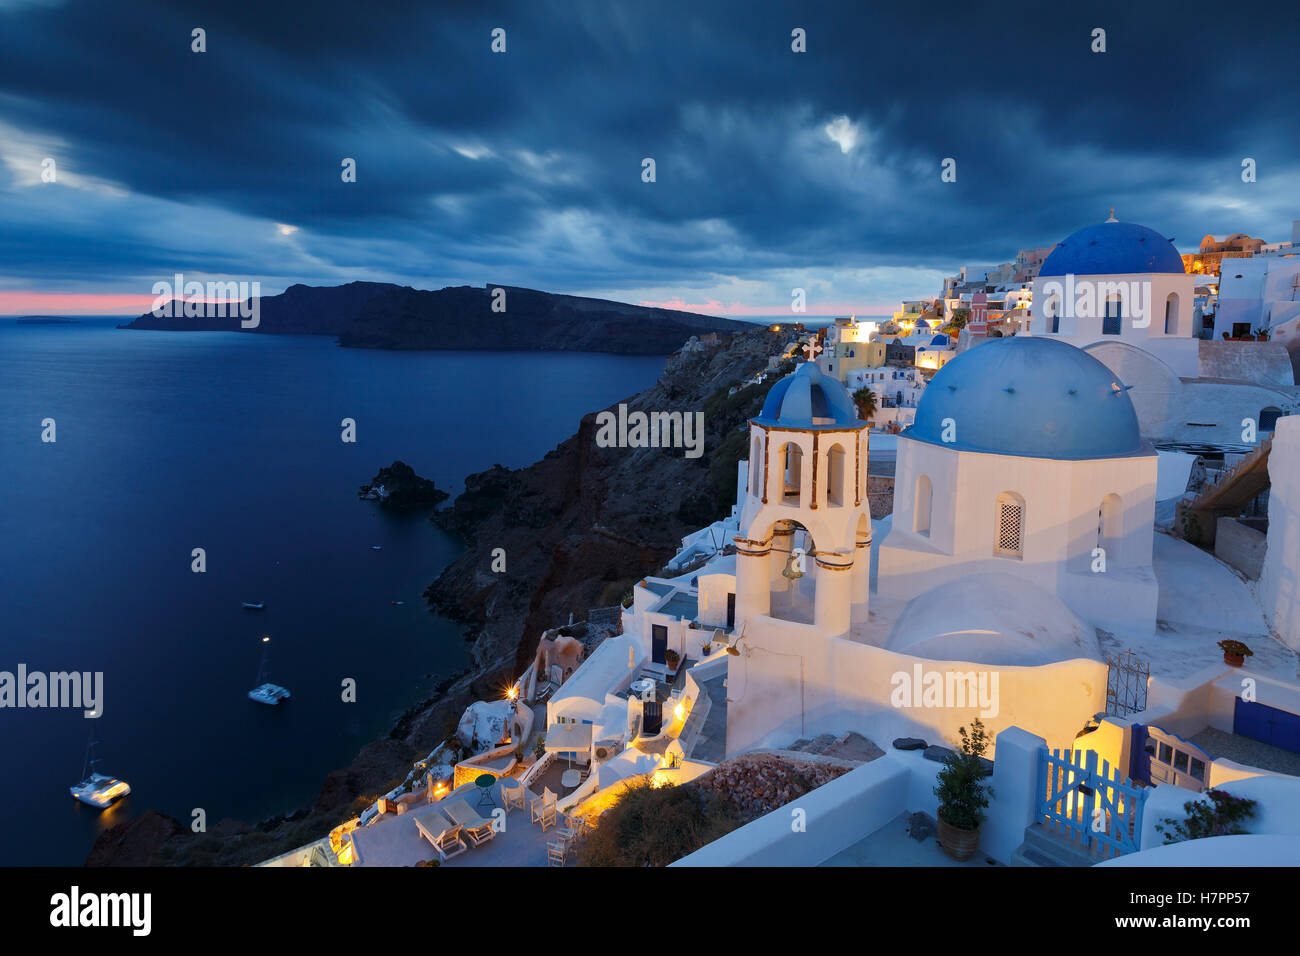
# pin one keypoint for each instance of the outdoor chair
(543, 809)
(441, 834)
(512, 794)
(478, 830)
(556, 854)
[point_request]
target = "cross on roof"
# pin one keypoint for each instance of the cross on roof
(812, 348)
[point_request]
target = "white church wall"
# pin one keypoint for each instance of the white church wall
(792, 682)
(1279, 583)
(1062, 500)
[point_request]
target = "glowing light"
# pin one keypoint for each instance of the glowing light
(679, 712)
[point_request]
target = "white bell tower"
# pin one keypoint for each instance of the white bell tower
(807, 492)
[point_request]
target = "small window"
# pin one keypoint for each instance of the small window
(1113, 323)
(1010, 527)
(1180, 761)
(1166, 753)
(1198, 769)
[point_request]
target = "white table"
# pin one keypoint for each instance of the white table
(571, 778)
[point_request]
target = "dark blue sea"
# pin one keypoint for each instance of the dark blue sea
(171, 441)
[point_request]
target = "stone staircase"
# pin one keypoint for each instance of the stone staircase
(1044, 847)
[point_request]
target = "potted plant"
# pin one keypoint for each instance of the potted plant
(1235, 652)
(705, 649)
(671, 660)
(963, 795)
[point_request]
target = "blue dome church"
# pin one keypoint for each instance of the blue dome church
(1119, 283)
(1026, 458)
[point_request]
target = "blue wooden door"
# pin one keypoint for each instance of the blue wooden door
(1266, 724)
(658, 642)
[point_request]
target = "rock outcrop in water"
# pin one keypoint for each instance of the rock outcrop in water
(378, 315)
(400, 488)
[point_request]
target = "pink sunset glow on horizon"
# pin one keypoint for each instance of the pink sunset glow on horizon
(816, 309)
(74, 303)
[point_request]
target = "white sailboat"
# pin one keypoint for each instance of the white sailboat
(96, 789)
(266, 692)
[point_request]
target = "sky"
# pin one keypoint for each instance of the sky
(774, 170)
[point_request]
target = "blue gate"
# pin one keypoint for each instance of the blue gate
(1098, 808)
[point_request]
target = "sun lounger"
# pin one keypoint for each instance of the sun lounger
(441, 833)
(466, 817)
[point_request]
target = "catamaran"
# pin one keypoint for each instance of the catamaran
(96, 789)
(255, 605)
(266, 692)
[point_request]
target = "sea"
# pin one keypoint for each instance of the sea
(168, 446)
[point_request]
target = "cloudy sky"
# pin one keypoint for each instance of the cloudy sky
(775, 170)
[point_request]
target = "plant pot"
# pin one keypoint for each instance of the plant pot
(957, 843)
(1234, 660)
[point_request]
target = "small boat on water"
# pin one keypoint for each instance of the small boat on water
(265, 692)
(268, 694)
(255, 605)
(398, 603)
(376, 547)
(96, 789)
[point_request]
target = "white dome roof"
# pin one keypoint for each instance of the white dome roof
(992, 619)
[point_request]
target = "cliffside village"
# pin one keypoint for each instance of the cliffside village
(1051, 503)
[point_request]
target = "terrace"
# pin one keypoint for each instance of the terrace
(394, 840)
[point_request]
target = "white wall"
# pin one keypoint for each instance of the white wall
(838, 815)
(791, 682)
(1177, 348)
(1279, 583)
(1061, 498)
(863, 800)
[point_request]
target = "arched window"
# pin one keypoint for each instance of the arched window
(1008, 539)
(1110, 526)
(793, 469)
(1171, 314)
(835, 476)
(1113, 323)
(921, 509)
(756, 467)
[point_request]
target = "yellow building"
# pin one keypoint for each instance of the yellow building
(848, 348)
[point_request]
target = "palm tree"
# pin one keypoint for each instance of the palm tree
(865, 399)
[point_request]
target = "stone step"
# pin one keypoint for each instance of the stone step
(1042, 844)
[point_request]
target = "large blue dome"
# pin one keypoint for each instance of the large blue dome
(1113, 248)
(1030, 397)
(808, 399)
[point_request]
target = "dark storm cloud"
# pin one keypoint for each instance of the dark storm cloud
(525, 167)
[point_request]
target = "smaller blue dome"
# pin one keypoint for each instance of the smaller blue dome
(1113, 248)
(808, 399)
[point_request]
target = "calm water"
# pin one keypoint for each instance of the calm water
(168, 442)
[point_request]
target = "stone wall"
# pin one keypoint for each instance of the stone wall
(1240, 546)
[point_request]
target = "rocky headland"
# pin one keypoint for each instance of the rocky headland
(379, 315)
